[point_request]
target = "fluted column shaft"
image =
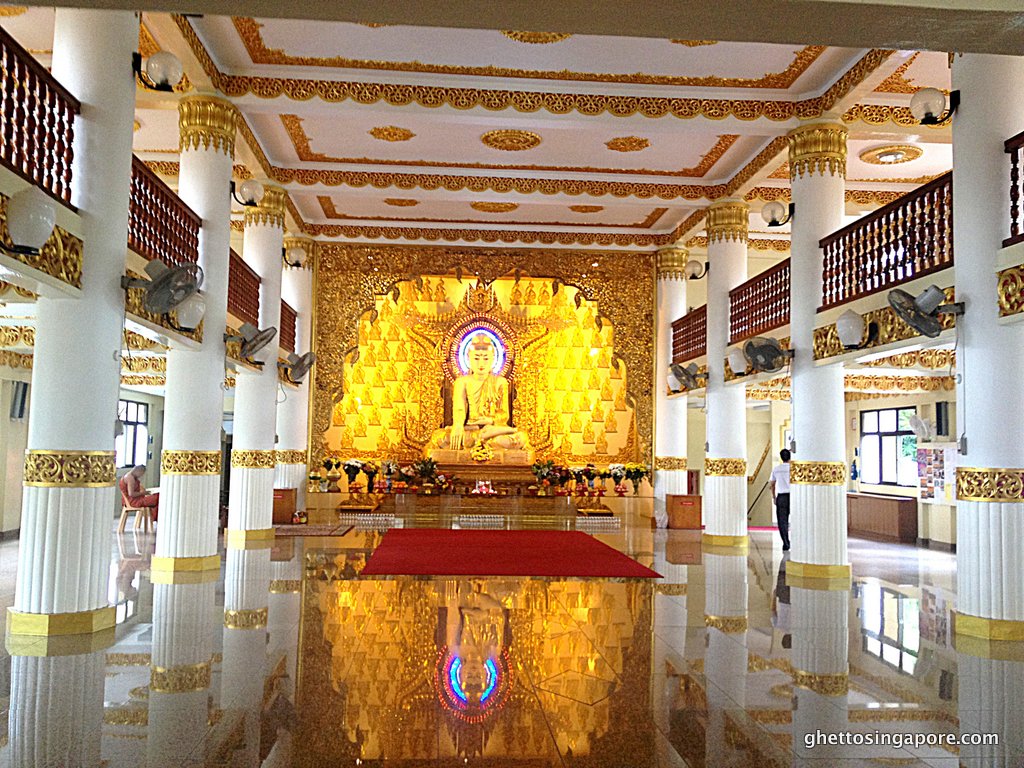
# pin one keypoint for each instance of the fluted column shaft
(670, 414)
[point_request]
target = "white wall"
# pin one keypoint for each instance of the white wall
(13, 442)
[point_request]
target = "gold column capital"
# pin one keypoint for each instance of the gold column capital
(309, 245)
(671, 262)
(817, 148)
(270, 210)
(70, 469)
(728, 220)
(207, 122)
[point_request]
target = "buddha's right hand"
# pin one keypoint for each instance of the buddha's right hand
(456, 437)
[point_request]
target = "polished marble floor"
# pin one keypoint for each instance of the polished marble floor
(290, 658)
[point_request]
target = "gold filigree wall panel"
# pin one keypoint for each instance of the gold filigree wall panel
(1011, 291)
(381, 315)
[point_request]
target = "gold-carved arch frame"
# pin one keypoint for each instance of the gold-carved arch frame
(348, 278)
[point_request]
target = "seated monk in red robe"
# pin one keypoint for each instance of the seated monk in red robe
(133, 492)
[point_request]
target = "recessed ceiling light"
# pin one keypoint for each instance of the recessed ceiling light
(891, 154)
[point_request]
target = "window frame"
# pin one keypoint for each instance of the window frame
(880, 434)
(131, 428)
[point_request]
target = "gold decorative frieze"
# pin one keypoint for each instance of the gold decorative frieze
(930, 359)
(285, 586)
(181, 679)
(694, 43)
(17, 336)
(627, 144)
(990, 484)
(136, 342)
(730, 625)
(207, 122)
(290, 457)
(728, 220)
(535, 38)
(144, 365)
(877, 197)
(586, 208)
(491, 207)
(673, 590)
(825, 685)
(60, 256)
(880, 114)
(173, 168)
(253, 459)
(817, 148)
(817, 472)
(190, 462)
(897, 82)
(12, 10)
(391, 133)
(15, 359)
(753, 243)
(511, 140)
(891, 154)
(245, 618)
(401, 202)
(856, 383)
(670, 463)
(133, 380)
(671, 263)
(310, 246)
(1010, 289)
(270, 210)
(725, 467)
(69, 469)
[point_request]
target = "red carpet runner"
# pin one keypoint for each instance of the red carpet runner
(439, 552)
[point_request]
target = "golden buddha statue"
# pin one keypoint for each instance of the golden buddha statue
(480, 407)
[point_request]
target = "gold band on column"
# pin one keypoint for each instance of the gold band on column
(290, 457)
(245, 618)
(285, 586)
(728, 624)
(724, 542)
(990, 484)
(184, 564)
(70, 469)
(817, 472)
(817, 148)
(670, 463)
(181, 679)
(988, 629)
(190, 463)
(817, 571)
(725, 467)
(837, 684)
(253, 459)
(50, 624)
(256, 538)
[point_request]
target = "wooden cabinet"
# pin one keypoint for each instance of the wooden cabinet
(683, 511)
(886, 518)
(284, 505)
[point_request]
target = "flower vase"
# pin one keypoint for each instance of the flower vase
(620, 489)
(370, 477)
(332, 481)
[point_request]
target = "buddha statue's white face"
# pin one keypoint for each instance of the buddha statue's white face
(481, 356)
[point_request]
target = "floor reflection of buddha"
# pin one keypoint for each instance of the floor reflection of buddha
(480, 404)
(476, 633)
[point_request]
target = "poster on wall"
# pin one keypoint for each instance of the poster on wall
(936, 473)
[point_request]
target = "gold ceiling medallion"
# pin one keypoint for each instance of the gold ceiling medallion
(891, 154)
(627, 144)
(487, 207)
(391, 133)
(586, 208)
(536, 38)
(401, 202)
(694, 43)
(511, 140)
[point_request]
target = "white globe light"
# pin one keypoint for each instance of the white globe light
(773, 213)
(850, 327)
(737, 361)
(250, 191)
(928, 104)
(692, 268)
(191, 311)
(31, 216)
(296, 256)
(164, 69)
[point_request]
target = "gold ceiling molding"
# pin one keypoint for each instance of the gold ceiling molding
(15, 359)
(17, 336)
(855, 383)
(486, 236)
(249, 31)
(753, 244)
(8, 11)
(304, 151)
(876, 155)
(727, 220)
(69, 469)
(877, 197)
(511, 140)
(586, 208)
(898, 82)
(1010, 290)
(880, 114)
(782, 172)
(917, 180)
(931, 359)
(401, 202)
(136, 380)
(990, 484)
(389, 133)
(207, 122)
(397, 94)
(136, 342)
(627, 144)
(147, 364)
(623, 288)
(491, 207)
(536, 38)
(817, 149)
(173, 168)
(694, 43)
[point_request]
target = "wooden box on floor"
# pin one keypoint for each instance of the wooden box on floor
(683, 511)
(886, 518)
(284, 505)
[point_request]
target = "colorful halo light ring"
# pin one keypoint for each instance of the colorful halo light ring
(467, 338)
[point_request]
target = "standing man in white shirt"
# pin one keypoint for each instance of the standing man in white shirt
(780, 495)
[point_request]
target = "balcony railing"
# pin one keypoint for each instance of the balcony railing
(761, 304)
(243, 290)
(908, 238)
(690, 335)
(160, 225)
(287, 327)
(1013, 149)
(37, 116)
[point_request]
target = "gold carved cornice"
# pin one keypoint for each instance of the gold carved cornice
(190, 462)
(181, 679)
(671, 263)
(143, 365)
(880, 114)
(860, 196)
(826, 685)
(1010, 289)
(173, 168)
(990, 484)
(69, 469)
(817, 148)
(753, 244)
(136, 342)
(207, 122)
(270, 210)
(730, 625)
(245, 618)
(535, 38)
(285, 586)
(17, 336)
(931, 359)
(253, 459)
(60, 256)
(15, 359)
(817, 472)
(728, 220)
(143, 381)
(725, 467)
(290, 457)
(310, 246)
(670, 463)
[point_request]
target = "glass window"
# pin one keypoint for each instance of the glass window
(888, 447)
(132, 446)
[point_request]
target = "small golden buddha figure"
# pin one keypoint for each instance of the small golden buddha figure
(480, 405)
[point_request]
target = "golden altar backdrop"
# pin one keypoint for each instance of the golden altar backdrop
(578, 339)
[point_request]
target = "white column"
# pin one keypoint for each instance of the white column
(989, 696)
(191, 461)
(64, 559)
(817, 163)
(725, 468)
(293, 411)
(251, 497)
(990, 498)
(725, 660)
(284, 610)
(670, 414)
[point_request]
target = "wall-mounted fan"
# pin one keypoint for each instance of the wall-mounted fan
(922, 427)
(253, 340)
(167, 287)
(688, 378)
(297, 367)
(922, 313)
(766, 355)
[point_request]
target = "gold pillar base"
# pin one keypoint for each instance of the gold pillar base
(259, 538)
(988, 629)
(729, 542)
(816, 571)
(60, 645)
(59, 624)
(181, 564)
(826, 585)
